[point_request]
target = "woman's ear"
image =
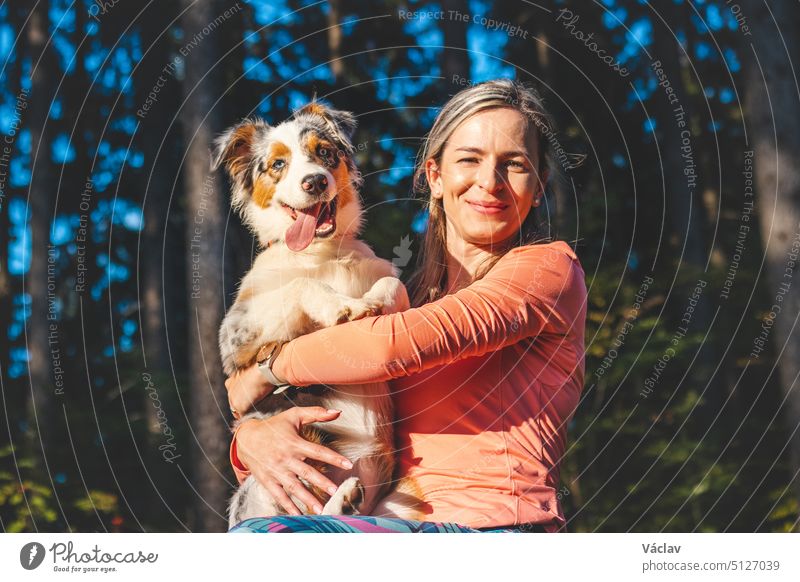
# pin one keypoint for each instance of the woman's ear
(434, 177)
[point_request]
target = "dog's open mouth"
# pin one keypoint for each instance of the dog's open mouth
(317, 220)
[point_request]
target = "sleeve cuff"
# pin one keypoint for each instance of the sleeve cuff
(239, 469)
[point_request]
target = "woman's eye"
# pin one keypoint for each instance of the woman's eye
(516, 164)
(278, 164)
(468, 160)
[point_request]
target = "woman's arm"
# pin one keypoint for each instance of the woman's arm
(531, 290)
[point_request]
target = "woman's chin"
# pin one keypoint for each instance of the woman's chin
(489, 239)
(492, 233)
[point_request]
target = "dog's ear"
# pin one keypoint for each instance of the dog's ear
(233, 149)
(343, 123)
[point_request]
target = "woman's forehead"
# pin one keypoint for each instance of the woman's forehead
(502, 128)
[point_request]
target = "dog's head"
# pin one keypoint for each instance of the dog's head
(296, 182)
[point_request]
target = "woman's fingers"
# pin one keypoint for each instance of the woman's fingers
(281, 487)
(280, 497)
(308, 473)
(324, 454)
(293, 487)
(309, 414)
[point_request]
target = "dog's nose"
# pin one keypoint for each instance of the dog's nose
(315, 183)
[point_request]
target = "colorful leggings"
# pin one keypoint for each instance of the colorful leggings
(358, 524)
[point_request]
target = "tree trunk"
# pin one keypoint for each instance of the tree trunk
(206, 213)
(679, 154)
(561, 208)
(772, 108)
(43, 396)
(6, 293)
(6, 285)
(455, 58)
(335, 39)
(156, 185)
(680, 149)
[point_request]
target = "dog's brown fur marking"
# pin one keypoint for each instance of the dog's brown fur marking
(279, 150)
(263, 191)
(314, 143)
(314, 109)
(238, 155)
(264, 187)
(343, 184)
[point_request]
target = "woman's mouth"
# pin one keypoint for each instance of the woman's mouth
(487, 207)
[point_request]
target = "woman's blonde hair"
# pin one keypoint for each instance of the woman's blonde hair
(430, 280)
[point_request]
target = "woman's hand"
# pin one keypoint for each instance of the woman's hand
(275, 453)
(245, 388)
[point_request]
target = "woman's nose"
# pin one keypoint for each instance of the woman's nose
(489, 177)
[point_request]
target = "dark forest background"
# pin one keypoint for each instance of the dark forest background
(685, 214)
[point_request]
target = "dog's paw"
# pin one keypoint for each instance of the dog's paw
(353, 498)
(228, 355)
(346, 309)
(239, 341)
(347, 500)
(362, 308)
(390, 293)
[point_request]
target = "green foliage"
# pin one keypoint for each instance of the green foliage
(674, 458)
(30, 503)
(24, 498)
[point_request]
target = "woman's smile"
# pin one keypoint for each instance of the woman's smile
(487, 207)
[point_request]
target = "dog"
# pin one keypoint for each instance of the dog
(296, 187)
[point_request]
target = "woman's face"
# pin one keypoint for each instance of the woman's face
(488, 177)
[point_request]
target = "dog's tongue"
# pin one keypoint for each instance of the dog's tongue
(301, 233)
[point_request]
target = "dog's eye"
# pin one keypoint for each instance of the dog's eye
(278, 164)
(323, 152)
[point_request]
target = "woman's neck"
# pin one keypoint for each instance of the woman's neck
(464, 259)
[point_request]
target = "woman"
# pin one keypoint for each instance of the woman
(488, 366)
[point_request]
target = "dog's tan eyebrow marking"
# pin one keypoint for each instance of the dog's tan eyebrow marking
(279, 150)
(264, 187)
(312, 145)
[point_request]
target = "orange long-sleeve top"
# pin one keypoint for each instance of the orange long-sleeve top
(484, 381)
